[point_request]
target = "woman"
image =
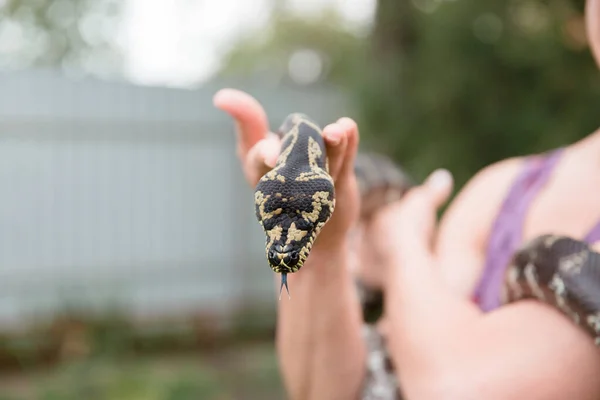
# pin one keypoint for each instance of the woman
(445, 332)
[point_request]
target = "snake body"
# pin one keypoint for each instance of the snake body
(562, 272)
(296, 199)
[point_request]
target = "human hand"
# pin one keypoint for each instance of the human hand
(368, 264)
(258, 149)
(404, 231)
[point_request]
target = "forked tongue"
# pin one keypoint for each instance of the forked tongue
(284, 282)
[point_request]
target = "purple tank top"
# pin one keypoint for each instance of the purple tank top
(505, 236)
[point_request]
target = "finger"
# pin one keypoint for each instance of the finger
(251, 120)
(596, 246)
(352, 135)
(271, 150)
(422, 202)
(439, 185)
(261, 159)
(336, 142)
(412, 220)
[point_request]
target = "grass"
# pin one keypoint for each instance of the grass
(248, 372)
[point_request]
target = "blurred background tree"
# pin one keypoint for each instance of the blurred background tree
(72, 34)
(434, 83)
(298, 50)
(478, 82)
(448, 83)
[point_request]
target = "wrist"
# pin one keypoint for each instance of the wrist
(329, 264)
(329, 250)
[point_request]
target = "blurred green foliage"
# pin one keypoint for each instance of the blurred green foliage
(55, 33)
(270, 50)
(451, 83)
(478, 82)
(108, 357)
(248, 373)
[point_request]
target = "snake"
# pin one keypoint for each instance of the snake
(296, 199)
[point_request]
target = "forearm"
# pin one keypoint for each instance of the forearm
(431, 328)
(320, 347)
(444, 347)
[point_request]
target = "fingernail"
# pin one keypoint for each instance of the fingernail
(267, 158)
(217, 97)
(264, 156)
(335, 137)
(346, 121)
(270, 162)
(440, 179)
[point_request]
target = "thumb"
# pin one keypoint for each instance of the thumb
(413, 218)
(250, 117)
(439, 186)
(261, 159)
(418, 230)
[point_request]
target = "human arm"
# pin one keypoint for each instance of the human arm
(319, 341)
(319, 344)
(444, 347)
(462, 236)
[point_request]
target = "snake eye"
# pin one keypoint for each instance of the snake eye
(304, 225)
(294, 255)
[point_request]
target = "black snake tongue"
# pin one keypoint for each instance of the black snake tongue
(284, 283)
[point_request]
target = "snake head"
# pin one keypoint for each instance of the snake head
(291, 223)
(288, 242)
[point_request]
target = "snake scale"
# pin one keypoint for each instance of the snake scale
(296, 199)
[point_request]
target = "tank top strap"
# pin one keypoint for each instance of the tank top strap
(506, 232)
(594, 234)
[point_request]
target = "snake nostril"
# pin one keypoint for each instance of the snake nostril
(273, 259)
(293, 258)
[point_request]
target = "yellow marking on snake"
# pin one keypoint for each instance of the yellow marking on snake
(275, 233)
(532, 281)
(573, 263)
(316, 172)
(294, 234)
(299, 120)
(320, 199)
(274, 173)
(260, 199)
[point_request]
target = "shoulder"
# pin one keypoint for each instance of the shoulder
(490, 183)
(481, 197)
(464, 228)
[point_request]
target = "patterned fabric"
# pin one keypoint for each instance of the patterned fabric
(380, 381)
(380, 181)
